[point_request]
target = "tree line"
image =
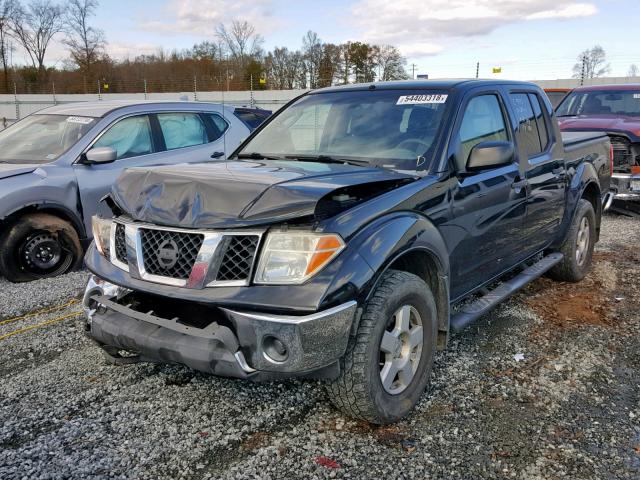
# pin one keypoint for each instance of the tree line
(235, 58)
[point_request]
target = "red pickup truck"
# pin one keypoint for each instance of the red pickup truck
(614, 109)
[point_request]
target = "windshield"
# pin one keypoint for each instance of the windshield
(389, 128)
(626, 102)
(42, 138)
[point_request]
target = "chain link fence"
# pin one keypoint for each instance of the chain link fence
(28, 99)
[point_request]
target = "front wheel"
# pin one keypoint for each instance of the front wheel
(578, 245)
(387, 368)
(38, 245)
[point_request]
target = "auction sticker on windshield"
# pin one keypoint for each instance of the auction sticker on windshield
(420, 99)
(81, 120)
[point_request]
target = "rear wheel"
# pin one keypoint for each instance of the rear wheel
(38, 245)
(387, 368)
(578, 246)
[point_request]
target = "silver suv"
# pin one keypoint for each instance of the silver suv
(57, 164)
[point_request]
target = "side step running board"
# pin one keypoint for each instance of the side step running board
(474, 310)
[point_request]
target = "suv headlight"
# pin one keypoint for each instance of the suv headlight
(293, 257)
(101, 229)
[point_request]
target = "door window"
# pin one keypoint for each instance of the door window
(528, 133)
(482, 121)
(541, 120)
(130, 137)
(182, 130)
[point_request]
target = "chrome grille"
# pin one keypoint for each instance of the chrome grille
(168, 253)
(238, 258)
(121, 243)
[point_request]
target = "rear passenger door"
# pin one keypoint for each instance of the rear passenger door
(190, 137)
(545, 174)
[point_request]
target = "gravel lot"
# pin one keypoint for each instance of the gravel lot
(568, 408)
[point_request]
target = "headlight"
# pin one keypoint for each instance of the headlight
(101, 229)
(290, 257)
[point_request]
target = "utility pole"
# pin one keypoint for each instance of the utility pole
(99, 91)
(584, 65)
(477, 69)
(145, 88)
(53, 90)
(413, 71)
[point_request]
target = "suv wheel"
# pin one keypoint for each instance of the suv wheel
(38, 245)
(387, 367)
(578, 246)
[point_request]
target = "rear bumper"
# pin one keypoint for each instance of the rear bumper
(235, 344)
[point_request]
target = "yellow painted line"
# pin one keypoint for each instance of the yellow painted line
(41, 324)
(39, 312)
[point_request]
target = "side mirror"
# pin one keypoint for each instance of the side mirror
(490, 154)
(100, 155)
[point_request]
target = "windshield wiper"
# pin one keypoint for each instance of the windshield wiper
(326, 159)
(257, 156)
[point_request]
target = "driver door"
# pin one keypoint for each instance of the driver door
(484, 233)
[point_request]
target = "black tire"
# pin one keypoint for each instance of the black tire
(24, 244)
(570, 269)
(359, 391)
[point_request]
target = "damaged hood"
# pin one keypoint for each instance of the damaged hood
(12, 169)
(238, 193)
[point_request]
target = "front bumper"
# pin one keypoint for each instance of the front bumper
(626, 186)
(235, 343)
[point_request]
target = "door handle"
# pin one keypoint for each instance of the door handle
(217, 154)
(518, 184)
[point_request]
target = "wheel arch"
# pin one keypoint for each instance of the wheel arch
(54, 209)
(409, 242)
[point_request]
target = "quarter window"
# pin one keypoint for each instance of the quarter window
(182, 130)
(130, 137)
(218, 125)
(482, 121)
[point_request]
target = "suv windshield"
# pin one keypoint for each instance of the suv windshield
(626, 102)
(42, 138)
(389, 128)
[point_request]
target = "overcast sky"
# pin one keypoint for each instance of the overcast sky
(529, 39)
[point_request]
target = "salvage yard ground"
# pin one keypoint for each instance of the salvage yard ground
(547, 386)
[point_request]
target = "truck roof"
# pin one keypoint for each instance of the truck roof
(613, 87)
(103, 107)
(422, 84)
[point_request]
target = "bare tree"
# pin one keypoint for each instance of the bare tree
(35, 26)
(390, 63)
(330, 70)
(241, 40)
(591, 63)
(285, 69)
(85, 42)
(633, 70)
(8, 9)
(312, 53)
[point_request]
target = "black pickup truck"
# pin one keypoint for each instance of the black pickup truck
(347, 237)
